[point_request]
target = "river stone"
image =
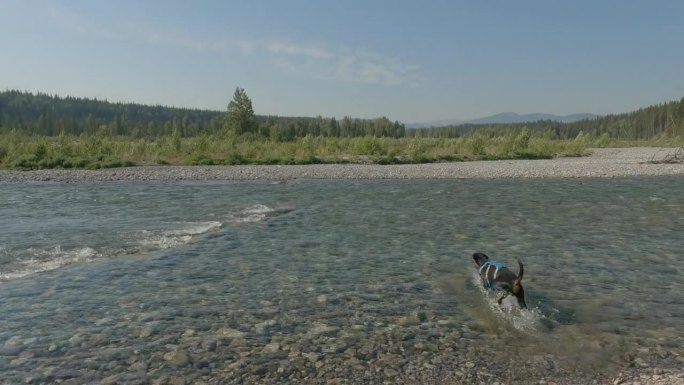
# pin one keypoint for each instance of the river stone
(334, 347)
(322, 329)
(138, 367)
(311, 356)
(20, 361)
(77, 339)
(262, 327)
(273, 347)
(230, 333)
(148, 331)
(641, 362)
(11, 350)
(209, 344)
(409, 320)
(15, 340)
(177, 358)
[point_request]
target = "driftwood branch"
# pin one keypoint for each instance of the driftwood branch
(673, 157)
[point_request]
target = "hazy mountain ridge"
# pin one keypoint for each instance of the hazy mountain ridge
(507, 117)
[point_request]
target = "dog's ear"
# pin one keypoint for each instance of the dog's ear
(480, 258)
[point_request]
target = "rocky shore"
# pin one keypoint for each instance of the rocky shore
(602, 163)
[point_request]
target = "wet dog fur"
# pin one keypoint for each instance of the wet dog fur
(506, 281)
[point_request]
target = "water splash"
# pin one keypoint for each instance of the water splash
(531, 320)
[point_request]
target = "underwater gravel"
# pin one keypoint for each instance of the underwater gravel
(602, 163)
(407, 352)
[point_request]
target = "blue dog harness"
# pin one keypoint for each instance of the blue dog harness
(489, 264)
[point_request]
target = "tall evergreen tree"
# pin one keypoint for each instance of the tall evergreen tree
(240, 117)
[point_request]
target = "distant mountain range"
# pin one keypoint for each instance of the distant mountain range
(506, 117)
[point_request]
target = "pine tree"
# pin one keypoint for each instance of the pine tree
(240, 117)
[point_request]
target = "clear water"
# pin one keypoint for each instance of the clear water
(359, 281)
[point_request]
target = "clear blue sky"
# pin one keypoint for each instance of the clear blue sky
(412, 61)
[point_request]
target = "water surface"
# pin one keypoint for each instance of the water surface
(358, 281)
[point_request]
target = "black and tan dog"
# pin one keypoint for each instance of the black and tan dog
(498, 277)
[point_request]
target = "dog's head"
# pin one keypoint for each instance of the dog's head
(480, 258)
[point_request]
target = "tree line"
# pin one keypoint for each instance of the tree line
(666, 119)
(49, 115)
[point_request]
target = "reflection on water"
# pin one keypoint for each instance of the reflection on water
(353, 282)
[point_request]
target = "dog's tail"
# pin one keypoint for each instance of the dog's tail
(522, 271)
(516, 283)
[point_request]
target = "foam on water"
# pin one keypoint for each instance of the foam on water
(255, 213)
(32, 261)
(152, 241)
(167, 239)
(194, 228)
(41, 261)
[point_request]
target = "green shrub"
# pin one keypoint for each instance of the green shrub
(370, 146)
(203, 160)
(477, 144)
(235, 159)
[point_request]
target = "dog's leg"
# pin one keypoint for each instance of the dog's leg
(503, 295)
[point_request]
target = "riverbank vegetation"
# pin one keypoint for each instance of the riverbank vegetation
(42, 131)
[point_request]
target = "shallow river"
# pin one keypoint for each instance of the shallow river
(338, 281)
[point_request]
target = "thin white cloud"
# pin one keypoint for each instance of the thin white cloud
(157, 37)
(75, 22)
(289, 49)
(245, 46)
(341, 64)
(317, 61)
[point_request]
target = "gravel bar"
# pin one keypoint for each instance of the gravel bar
(602, 163)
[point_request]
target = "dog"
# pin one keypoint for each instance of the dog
(498, 277)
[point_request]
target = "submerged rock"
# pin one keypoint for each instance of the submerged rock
(177, 358)
(322, 329)
(230, 333)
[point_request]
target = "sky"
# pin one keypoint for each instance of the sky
(412, 61)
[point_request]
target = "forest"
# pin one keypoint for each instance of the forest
(47, 115)
(48, 131)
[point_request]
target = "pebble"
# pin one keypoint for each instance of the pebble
(273, 347)
(177, 358)
(231, 333)
(323, 329)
